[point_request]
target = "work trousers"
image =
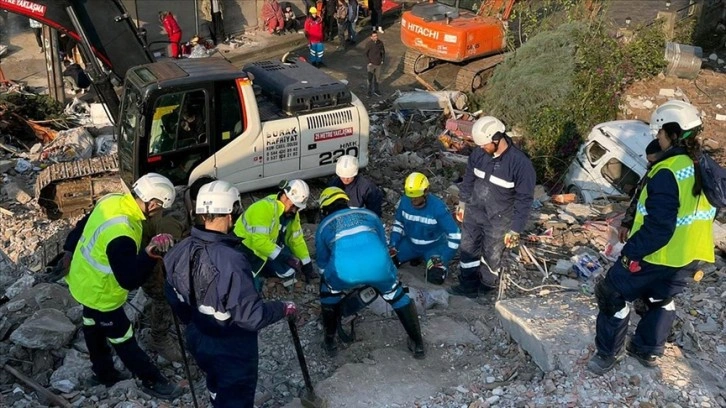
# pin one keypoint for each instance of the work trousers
(329, 25)
(218, 35)
(482, 244)
(390, 290)
(316, 52)
(373, 72)
(656, 285)
(102, 328)
(229, 364)
(376, 17)
(174, 40)
(408, 251)
(342, 27)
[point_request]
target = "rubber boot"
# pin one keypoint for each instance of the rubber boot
(330, 313)
(409, 319)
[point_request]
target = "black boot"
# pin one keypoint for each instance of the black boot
(330, 315)
(409, 319)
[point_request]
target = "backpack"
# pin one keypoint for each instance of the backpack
(713, 180)
(342, 12)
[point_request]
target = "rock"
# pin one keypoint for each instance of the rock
(713, 57)
(668, 93)
(15, 306)
(710, 327)
(25, 282)
(563, 267)
(75, 370)
(579, 210)
(720, 61)
(549, 386)
(567, 218)
(47, 329)
(75, 314)
(6, 165)
(41, 296)
(123, 388)
(720, 117)
(647, 104)
(634, 381)
(570, 283)
(17, 193)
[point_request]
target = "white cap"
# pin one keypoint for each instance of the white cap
(298, 192)
(217, 197)
(485, 128)
(347, 166)
(155, 186)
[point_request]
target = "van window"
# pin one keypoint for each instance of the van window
(620, 175)
(595, 152)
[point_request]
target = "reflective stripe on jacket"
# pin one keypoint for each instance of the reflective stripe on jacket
(259, 228)
(693, 236)
(91, 280)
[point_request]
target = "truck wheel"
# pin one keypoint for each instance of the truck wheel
(579, 199)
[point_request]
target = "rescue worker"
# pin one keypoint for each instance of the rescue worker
(107, 264)
(210, 287)
(340, 237)
(496, 197)
(652, 153)
(272, 236)
(671, 233)
(362, 191)
(424, 228)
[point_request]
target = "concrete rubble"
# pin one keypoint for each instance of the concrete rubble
(478, 354)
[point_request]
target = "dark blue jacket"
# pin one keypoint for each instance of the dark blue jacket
(501, 185)
(662, 206)
(224, 301)
(362, 192)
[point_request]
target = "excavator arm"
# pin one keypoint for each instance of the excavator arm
(104, 31)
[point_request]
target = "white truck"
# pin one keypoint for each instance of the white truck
(610, 162)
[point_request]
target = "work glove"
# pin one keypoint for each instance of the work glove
(511, 239)
(159, 245)
(309, 272)
(630, 265)
(65, 262)
(290, 308)
(623, 233)
(392, 252)
(460, 211)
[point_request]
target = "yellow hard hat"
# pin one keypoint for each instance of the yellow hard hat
(313, 10)
(416, 185)
(331, 195)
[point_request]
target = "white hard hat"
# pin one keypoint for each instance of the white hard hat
(155, 186)
(217, 197)
(485, 128)
(347, 166)
(675, 111)
(298, 192)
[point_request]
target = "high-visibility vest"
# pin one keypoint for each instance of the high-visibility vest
(91, 280)
(259, 228)
(693, 237)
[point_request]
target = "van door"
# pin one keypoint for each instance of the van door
(281, 140)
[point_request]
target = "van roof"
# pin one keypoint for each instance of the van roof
(632, 136)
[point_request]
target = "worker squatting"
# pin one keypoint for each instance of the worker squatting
(213, 276)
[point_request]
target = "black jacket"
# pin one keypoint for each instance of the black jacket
(375, 52)
(362, 192)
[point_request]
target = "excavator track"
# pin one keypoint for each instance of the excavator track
(72, 188)
(475, 74)
(415, 63)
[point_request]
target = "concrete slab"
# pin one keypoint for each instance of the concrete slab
(553, 330)
(558, 332)
(442, 330)
(391, 377)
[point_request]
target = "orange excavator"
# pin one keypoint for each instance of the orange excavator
(469, 33)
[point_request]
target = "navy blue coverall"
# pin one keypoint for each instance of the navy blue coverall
(498, 193)
(362, 192)
(209, 285)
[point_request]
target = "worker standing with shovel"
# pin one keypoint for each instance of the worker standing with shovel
(209, 285)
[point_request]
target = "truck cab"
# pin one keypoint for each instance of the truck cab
(610, 162)
(254, 127)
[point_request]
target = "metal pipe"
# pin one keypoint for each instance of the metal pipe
(196, 17)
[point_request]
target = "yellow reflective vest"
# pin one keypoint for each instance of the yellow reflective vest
(259, 227)
(91, 280)
(693, 237)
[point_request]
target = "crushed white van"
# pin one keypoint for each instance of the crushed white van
(610, 162)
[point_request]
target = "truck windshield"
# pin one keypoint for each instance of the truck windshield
(128, 123)
(469, 5)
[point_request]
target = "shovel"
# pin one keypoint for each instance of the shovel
(308, 397)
